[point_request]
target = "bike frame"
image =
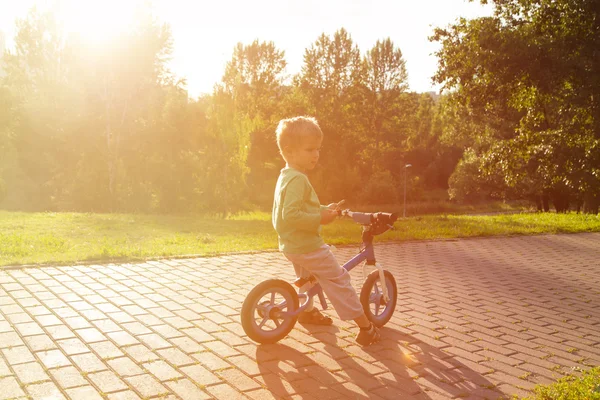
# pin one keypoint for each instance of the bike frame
(367, 254)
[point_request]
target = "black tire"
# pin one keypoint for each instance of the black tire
(371, 298)
(261, 307)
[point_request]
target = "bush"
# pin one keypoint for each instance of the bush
(381, 188)
(586, 386)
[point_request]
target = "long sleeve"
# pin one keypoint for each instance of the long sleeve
(296, 213)
(295, 210)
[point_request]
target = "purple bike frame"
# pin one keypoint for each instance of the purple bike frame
(366, 254)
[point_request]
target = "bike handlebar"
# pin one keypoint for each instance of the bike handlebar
(358, 217)
(376, 223)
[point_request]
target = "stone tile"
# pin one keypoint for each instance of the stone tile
(187, 390)
(19, 318)
(90, 335)
(85, 392)
(238, 379)
(108, 308)
(29, 329)
(121, 317)
(211, 361)
(147, 385)
(93, 315)
(48, 320)
(107, 381)
(40, 342)
(4, 370)
(140, 353)
(12, 308)
(77, 323)
(68, 377)
(122, 338)
(53, 358)
(126, 395)
(167, 331)
(150, 320)
(200, 375)
(46, 390)
(154, 341)
(161, 370)
(225, 391)
(67, 313)
(5, 326)
(18, 355)
(124, 366)
(106, 350)
(88, 363)
(221, 349)
(10, 339)
(60, 332)
(37, 311)
(187, 344)
(135, 328)
(175, 356)
(30, 372)
(10, 388)
(73, 346)
(106, 325)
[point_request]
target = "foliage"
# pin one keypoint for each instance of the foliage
(571, 387)
(526, 82)
(93, 128)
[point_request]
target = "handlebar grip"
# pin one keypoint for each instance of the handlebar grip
(359, 217)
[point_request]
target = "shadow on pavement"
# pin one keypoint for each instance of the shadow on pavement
(405, 368)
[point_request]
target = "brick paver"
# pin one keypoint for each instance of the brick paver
(476, 318)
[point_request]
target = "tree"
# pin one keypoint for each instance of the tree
(121, 85)
(528, 76)
(383, 111)
(331, 81)
(81, 112)
(252, 95)
(44, 111)
(254, 77)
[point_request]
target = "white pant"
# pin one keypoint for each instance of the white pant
(334, 280)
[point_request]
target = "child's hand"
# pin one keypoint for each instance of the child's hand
(336, 206)
(327, 216)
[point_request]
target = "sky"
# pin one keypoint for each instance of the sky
(205, 32)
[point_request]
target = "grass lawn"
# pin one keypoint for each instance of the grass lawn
(62, 238)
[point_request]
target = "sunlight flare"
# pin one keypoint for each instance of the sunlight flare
(97, 22)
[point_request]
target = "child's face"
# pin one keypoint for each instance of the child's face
(305, 156)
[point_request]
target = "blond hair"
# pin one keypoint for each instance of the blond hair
(291, 131)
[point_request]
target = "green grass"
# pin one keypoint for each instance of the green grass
(583, 387)
(62, 238)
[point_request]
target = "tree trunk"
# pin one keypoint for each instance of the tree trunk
(560, 198)
(546, 202)
(591, 202)
(538, 202)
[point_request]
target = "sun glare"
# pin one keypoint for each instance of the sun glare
(97, 22)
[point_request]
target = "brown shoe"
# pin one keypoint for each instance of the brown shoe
(367, 336)
(314, 317)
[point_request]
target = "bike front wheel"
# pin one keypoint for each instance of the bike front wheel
(265, 312)
(377, 309)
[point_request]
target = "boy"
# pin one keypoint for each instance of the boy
(297, 218)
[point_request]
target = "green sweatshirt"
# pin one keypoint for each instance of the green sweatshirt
(296, 213)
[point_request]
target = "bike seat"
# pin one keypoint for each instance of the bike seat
(303, 281)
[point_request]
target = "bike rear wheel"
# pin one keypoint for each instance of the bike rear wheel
(265, 312)
(377, 310)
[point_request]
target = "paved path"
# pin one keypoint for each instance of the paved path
(476, 319)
